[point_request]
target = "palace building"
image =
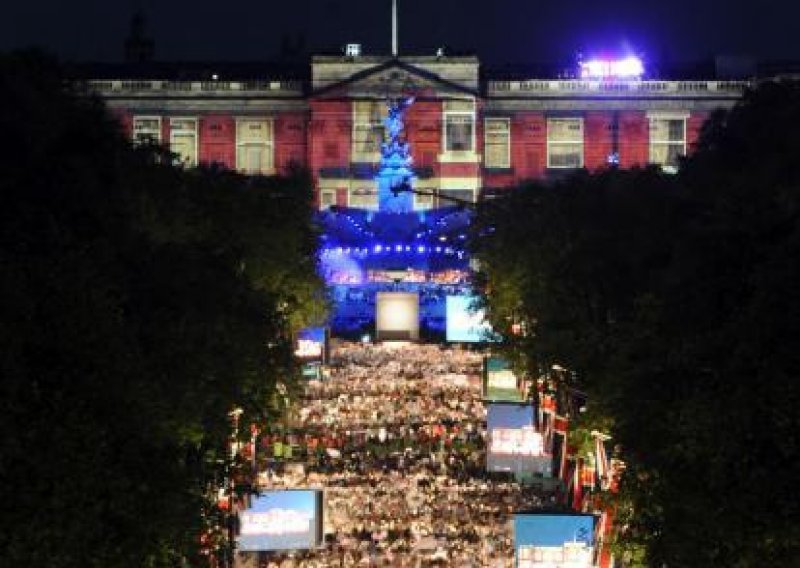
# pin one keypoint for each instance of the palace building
(467, 130)
(399, 146)
(457, 134)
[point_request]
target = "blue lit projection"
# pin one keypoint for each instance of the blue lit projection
(363, 252)
(395, 173)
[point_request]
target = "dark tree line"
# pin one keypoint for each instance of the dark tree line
(674, 302)
(141, 303)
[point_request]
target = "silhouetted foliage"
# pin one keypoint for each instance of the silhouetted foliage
(141, 302)
(674, 300)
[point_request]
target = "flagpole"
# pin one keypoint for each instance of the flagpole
(394, 28)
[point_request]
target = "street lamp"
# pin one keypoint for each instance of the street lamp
(234, 414)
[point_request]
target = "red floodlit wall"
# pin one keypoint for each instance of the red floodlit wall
(424, 131)
(528, 145)
(633, 139)
(494, 179)
(693, 128)
(597, 139)
(459, 169)
(217, 140)
(290, 140)
(330, 135)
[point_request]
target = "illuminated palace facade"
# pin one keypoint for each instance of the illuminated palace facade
(465, 136)
(466, 133)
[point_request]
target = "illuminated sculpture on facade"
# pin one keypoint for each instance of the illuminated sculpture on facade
(394, 249)
(395, 177)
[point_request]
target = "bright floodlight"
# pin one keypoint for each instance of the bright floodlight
(630, 67)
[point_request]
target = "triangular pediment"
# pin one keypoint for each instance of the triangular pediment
(393, 79)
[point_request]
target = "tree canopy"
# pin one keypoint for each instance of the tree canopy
(141, 303)
(674, 302)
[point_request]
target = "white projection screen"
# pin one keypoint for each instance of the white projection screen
(397, 316)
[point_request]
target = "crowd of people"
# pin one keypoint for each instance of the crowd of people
(395, 437)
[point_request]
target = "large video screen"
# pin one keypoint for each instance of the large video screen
(500, 383)
(465, 323)
(281, 520)
(546, 540)
(312, 344)
(514, 444)
(311, 371)
(397, 316)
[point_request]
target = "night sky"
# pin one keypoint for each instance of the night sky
(499, 31)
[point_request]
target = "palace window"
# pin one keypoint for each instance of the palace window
(327, 199)
(459, 126)
(147, 129)
(497, 143)
(363, 198)
(254, 146)
(183, 140)
(423, 201)
(368, 130)
(564, 142)
(667, 141)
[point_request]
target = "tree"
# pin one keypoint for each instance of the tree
(673, 300)
(141, 303)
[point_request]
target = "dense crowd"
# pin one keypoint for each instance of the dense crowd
(396, 438)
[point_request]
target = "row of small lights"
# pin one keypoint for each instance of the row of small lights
(388, 249)
(356, 225)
